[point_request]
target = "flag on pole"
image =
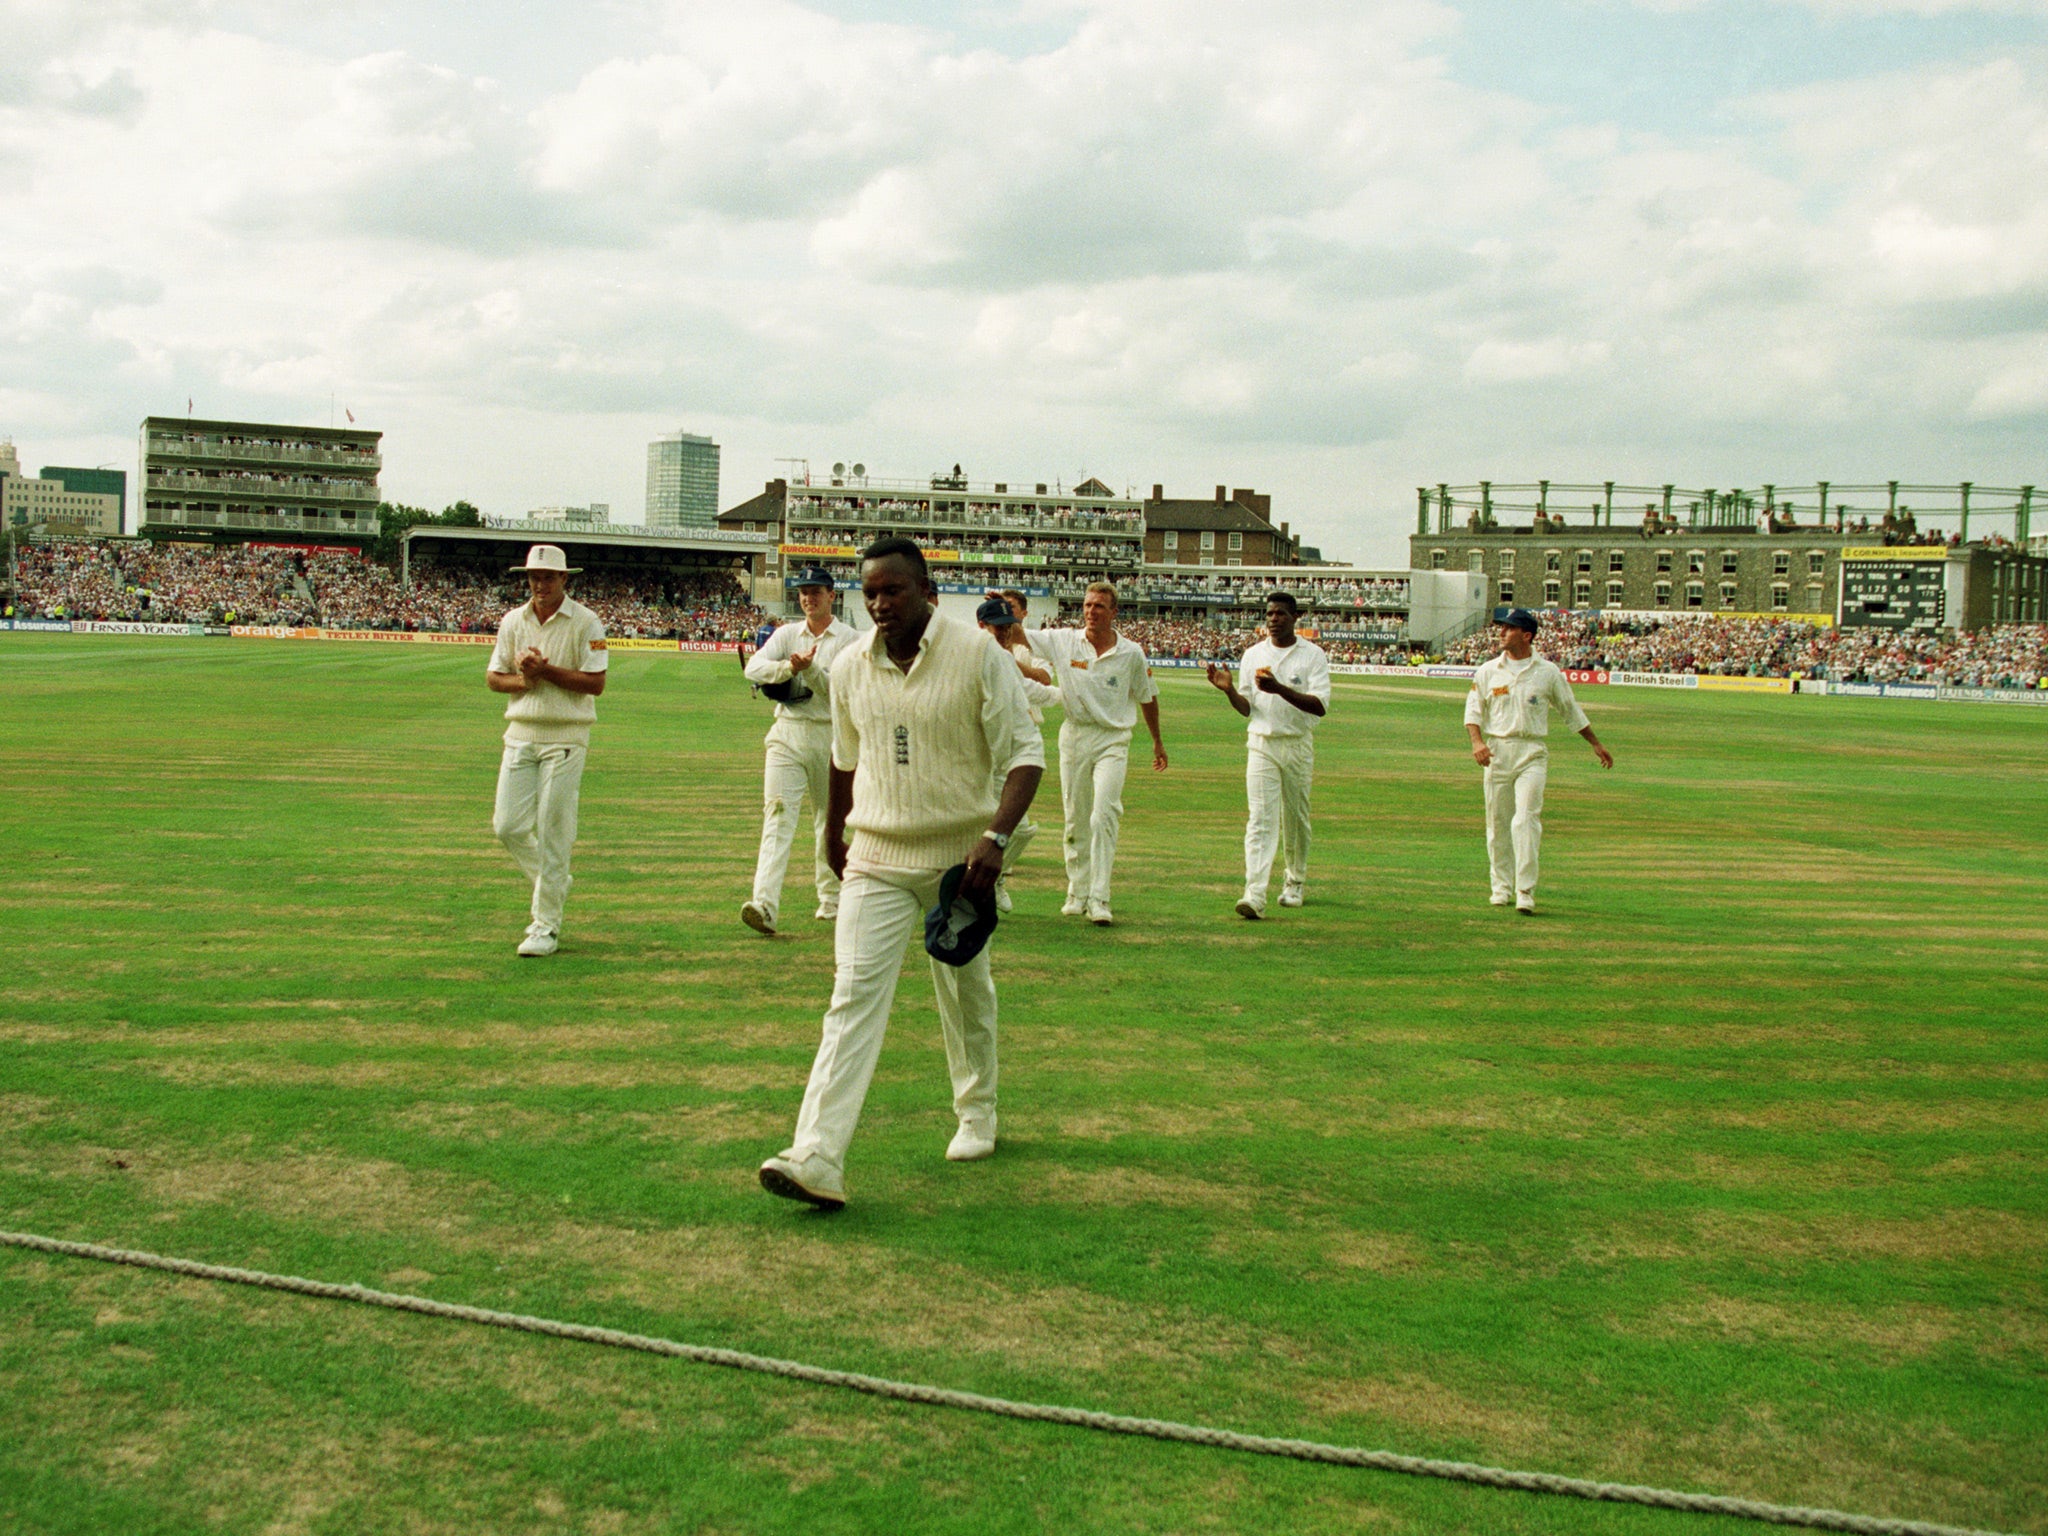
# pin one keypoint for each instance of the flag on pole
(351, 415)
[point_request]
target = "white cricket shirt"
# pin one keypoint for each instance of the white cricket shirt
(1103, 690)
(770, 664)
(1514, 698)
(1302, 666)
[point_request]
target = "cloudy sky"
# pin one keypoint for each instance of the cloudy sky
(1332, 249)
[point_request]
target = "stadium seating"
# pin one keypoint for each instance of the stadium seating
(243, 584)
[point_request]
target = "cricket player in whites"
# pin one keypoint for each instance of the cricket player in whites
(795, 663)
(1282, 689)
(934, 763)
(551, 658)
(1104, 682)
(1507, 715)
(1001, 619)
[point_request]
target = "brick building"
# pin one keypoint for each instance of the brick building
(1230, 529)
(1698, 570)
(1732, 570)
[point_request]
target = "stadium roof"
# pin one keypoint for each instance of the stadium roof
(1181, 513)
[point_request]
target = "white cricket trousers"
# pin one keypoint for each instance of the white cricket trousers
(799, 764)
(1093, 761)
(1278, 773)
(535, 818)
(1514, 812)
(881, 913)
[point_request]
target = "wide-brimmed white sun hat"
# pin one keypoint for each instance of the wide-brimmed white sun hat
(548, 557)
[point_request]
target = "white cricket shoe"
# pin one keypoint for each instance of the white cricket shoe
(971, 1143)
(1003, 902)
(759, 917)
(1074, 906)
(827, 914)
(809, 1179)
(1098, 914)
(539, 941)
(1525, 903)
(1247, 908)
(1290, 894)
(1502, 899)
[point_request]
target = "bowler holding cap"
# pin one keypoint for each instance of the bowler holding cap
(794, 669)
(1507, 716)
(550, 658)
(928, 718)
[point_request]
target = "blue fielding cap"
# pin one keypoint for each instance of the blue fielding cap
(1515, 618)
(958, 928)
(813, 576)
(994, 611)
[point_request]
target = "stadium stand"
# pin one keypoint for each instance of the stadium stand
(166, 583)
(244, 584)
(2000, 656)
(132, 580)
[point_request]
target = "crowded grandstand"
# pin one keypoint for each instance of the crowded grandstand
(266, 585)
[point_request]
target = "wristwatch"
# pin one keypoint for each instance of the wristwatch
(1000, 839)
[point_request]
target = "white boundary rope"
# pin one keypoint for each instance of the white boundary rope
(945, 1397)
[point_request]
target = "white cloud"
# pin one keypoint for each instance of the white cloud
(1189, 243)
(1522, 362)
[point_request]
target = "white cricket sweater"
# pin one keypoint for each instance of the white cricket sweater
(572, 637)
(928, 746)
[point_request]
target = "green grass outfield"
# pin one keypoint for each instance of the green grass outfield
(1725, 1172)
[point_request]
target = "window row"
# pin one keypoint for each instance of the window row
(1661, 595)
(1696, 561)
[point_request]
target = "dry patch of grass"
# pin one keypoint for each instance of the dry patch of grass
(18, 1110)
(1417, 1403)
(316, 1187)
(872, 1296)
(1968, 1233)
(1898, 1330)
(1119, 1187)
(1885, 1117)
(1175, 1121)
(1381, 1253)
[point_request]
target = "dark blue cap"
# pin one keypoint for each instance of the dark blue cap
(994, 611)
(958, 928)
(1515, 618)
(813, 576)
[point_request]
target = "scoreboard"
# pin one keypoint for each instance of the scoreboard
(1894, 588)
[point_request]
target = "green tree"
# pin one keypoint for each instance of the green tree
(393, 518)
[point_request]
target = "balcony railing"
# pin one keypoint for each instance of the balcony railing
(256, 522)
(267, 453)
(1079, 521)
(630, 531)
(264, 487)
(942, 485)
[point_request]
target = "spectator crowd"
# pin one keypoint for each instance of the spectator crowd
(2000, 656)
(137, 581)
(246, 584)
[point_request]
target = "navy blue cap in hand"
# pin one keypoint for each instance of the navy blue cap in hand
(958, 928)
